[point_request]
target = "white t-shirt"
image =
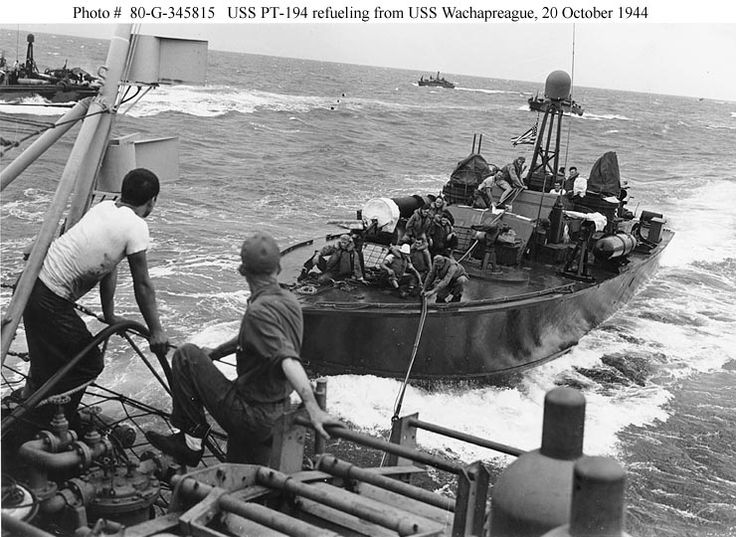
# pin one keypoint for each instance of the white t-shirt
(92, 248)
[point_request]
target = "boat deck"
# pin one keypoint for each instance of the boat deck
(514, 282)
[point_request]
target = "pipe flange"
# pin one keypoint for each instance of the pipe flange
(82, 490)
(51, 442)
(85, 454)
(48, 491)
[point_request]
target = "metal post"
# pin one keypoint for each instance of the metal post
(287, 452)
(320, 394)
(403, 433)
(470, 506)
(115, 62)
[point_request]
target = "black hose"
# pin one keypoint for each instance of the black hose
(47, 386)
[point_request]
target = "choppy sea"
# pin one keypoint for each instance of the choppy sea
(285, 145)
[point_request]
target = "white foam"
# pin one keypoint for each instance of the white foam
(704, 225)
(212, 101)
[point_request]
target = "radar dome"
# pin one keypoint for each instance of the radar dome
(557, 86)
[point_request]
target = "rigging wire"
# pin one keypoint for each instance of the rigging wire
(32, 133)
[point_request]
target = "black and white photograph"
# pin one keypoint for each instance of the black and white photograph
(368, 269)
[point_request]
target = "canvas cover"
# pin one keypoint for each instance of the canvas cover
(470, 171)
(605, 177)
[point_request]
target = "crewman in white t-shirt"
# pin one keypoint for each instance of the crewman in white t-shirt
(88, 253)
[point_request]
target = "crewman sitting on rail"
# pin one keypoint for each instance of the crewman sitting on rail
(399, 271)
(336, 261)
(509, 179)
(447, 277)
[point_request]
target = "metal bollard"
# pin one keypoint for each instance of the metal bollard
(533, 495)
(597, 500)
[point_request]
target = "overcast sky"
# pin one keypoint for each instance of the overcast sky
(682, 58)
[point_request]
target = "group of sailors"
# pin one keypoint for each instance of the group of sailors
(510, 180)
(419, 260)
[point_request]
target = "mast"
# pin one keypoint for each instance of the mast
(87, 150)
(546, 157)
(30, 62)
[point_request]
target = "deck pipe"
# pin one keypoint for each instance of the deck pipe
(597, 500)
(41, 460)
(388, 447)
(334, 466)
(43, 142)
(192, 489)
(277, 480)
(465, 437)
(533, 494)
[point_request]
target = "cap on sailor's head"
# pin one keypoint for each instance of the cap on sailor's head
(405, 249)
(260, 254)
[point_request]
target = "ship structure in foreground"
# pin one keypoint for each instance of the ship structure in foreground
(95, 474)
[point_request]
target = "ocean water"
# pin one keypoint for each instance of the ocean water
(285, 145)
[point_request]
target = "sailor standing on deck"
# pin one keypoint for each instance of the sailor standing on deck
(88, 253)
(269, 367)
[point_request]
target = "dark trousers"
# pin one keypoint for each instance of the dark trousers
(55, 334)
(198, 384)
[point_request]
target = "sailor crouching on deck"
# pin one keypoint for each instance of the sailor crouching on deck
(335, 261)
(446, 277)
(269, 367)
(399, 272)
(88, 253)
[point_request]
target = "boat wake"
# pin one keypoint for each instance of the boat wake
(487, 91)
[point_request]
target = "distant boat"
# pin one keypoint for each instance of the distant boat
(438, 81)
(55, 85)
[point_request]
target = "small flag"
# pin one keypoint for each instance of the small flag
(527, 138)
